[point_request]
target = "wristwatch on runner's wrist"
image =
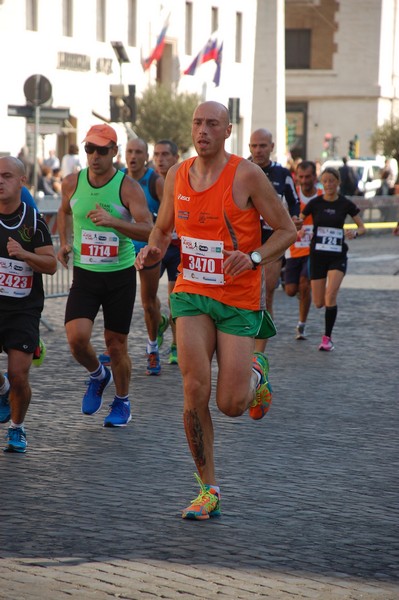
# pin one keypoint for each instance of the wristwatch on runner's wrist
(256, 258)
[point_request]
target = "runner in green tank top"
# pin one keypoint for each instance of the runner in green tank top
(101, 211)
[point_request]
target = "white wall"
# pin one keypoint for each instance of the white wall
(36, 52)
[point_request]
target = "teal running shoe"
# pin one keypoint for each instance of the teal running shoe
(93, 398)
(205, 505)
(5, 409)
(119, 414)
(16, 440)
(164, 324)
(263, 396)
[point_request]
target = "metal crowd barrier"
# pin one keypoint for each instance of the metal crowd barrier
(58, 284)
(379, 212)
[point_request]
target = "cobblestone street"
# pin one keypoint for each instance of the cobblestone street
(309, 495)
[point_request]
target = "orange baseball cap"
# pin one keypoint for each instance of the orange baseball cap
(101, 135)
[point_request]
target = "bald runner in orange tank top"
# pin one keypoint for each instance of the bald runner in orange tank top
(200, 220)
(214, 201)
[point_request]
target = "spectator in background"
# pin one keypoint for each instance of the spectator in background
(388, 180)
(45, 182)
(24, 157)
(70, 162)
(52, 161)
(57, 180)
(118, 162)
(348, 186)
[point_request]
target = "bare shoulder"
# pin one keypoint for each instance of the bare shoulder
(250, 178)
(248, 169)
(69, 184)
(173, 170)
(170, 177)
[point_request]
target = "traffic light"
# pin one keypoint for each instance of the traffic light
(327, 142)
(351, 149)
(357, 146)
(327, 145)
(290, 134)
(122, 101)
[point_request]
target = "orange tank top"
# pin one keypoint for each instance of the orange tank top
(208, 222)
(301, 247)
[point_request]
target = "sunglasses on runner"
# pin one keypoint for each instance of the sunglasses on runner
(101, 150)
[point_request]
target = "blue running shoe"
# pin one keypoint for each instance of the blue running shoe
(153, 364)
(93, 397)
(5, 410)
(119, 414)
(104, 359)
(16, 440)
(164, 324)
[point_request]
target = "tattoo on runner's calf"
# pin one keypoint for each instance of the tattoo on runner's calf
(195, 436)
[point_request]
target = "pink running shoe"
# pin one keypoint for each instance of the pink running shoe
(326, 344)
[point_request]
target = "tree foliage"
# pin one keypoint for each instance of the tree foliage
(385, 139)
(163, 114)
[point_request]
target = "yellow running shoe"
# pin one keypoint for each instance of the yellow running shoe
(263, 397)
(164, 324)
(172, 360)
(205, 505)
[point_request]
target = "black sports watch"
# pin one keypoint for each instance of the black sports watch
(256, 258)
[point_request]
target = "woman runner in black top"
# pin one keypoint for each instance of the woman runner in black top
(328, 250)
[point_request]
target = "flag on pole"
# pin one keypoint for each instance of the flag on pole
(156, 54)
(208, 52)
(218, 60)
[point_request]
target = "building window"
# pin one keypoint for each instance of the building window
(238, 37)
(296, 128)
(132, 23)
(67, 18)
(215, 18)
(31, 15)
(101, 10)
(189, 28)
(297, 48)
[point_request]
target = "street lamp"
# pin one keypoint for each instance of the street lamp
(121, 55)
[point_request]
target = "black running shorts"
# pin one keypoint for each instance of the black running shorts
(114, 291)
(19, 331)
(320, 264)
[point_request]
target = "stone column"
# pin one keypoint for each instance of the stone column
(268, 105)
